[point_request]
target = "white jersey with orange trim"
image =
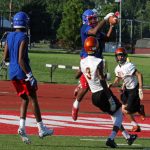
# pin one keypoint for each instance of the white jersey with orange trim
(126, 73)
(89, 69)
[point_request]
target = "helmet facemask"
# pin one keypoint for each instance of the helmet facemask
(122, 58)
(92, 20)
(89, 17)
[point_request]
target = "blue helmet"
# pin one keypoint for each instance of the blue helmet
(89, 13)
(20, 20)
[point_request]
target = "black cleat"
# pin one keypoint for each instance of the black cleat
(111, 143)
(132, 138)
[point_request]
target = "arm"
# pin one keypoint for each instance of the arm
(78, 74)
(140, 79)
(6, 53)
(105, 88)
(98, 27)
(109, 33)
(102, 79)
(21, 58)
(22, 64)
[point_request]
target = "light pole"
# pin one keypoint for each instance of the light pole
(10, 9)
(120, 9)
(120, 40)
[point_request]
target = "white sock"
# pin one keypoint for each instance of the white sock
(22, 123)
(40, 125)
(76, 104)
(125, 134)
(134, 123)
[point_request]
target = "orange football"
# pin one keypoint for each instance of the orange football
(113, 20)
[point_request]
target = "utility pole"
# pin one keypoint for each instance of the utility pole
(10, 9)
(120, 10)
(120, 17)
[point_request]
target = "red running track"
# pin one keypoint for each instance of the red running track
(56, 102)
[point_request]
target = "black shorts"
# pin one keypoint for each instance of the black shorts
(131, 98)
(100, 100)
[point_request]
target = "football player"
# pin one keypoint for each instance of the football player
(132, 91)
(102, 96)
(91, 27)
(20, 73)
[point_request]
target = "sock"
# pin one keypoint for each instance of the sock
(22, 123)
(113, 134)
(134, 123)
(76, 104)
(40, 125)
(125, 134)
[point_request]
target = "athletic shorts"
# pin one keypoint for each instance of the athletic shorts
(100, 100)
(23, 87)
(131, 98)
(84, 82)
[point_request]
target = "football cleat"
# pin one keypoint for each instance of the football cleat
(111, 143)
(24, 136)
(132, 138)
(45, 132)
(135, 129)
(75, 113)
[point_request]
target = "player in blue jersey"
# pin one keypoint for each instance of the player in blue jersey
(20, 73)
(91, 27)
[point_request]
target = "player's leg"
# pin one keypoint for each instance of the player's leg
(117, 121)
(142, 112)
(134, 123)
(117, 118)
(81, 93)
(23, 110)
(100, 100)
(133, 106)
(43, 130)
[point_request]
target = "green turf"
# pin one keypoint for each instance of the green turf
(39, 58)
(13, 142)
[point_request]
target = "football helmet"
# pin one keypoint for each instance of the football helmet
(20, 20)
(89, 14)
(91, 45)
(121, 52)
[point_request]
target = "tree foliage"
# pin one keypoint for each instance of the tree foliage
(69, 29)
(61, 19)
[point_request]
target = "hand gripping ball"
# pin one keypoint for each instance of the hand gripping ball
(113, 20)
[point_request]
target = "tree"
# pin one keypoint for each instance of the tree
(69, 30)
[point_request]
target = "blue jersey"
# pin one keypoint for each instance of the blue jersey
(14, 40)
(99, 36)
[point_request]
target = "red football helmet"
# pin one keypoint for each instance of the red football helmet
(121, 52)
(91, 44)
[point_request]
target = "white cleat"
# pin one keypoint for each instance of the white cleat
(24, 136)
(45, 132)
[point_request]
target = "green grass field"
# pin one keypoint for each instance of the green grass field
(39, 58)
(38, 61)
(13, 142)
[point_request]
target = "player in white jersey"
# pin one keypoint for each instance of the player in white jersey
(102, 96)
(132, 87)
